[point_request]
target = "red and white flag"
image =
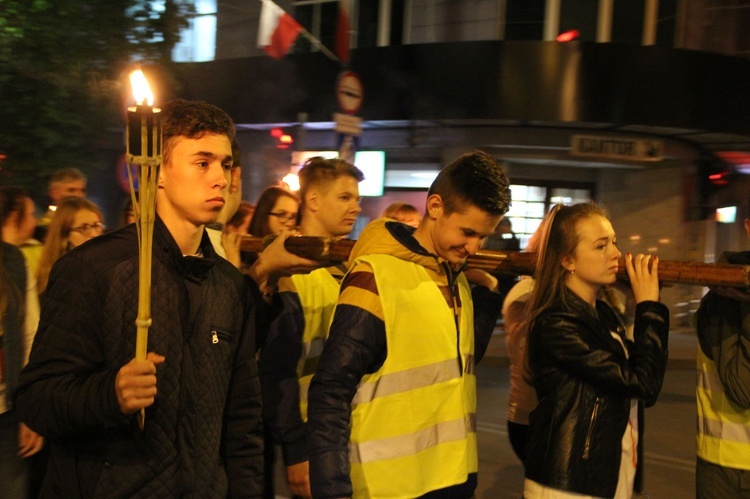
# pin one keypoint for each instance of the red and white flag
(277, 31)
(343, 31)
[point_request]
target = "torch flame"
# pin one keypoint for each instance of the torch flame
(141, 91)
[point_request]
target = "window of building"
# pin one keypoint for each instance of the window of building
(665, 28)
(367, 23)
(524, 19)
(319, 17)
(532, 199)
(580, 15)
(198, 41)
(397, 22)
(627, 21)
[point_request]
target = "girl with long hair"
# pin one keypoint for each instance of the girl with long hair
(76, 220)
(590, 378)
(277, 209)
(19, 316)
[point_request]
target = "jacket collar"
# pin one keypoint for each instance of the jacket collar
(601, 318)
(193, 268)
(405, 235)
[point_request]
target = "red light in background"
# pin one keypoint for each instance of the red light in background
(568, 36)
(719, 178)
(285, 140)
(734, 157)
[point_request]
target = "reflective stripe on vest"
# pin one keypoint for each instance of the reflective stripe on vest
(413, 427)
(411, 379)
(723, 427)
(318, 293)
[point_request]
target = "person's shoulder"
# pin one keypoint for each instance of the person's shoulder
(358, 271)
(561, 312)
(519, 292)
(107, 250)
(737, 258)
(10, 252)
(225, 267)
(13, 260)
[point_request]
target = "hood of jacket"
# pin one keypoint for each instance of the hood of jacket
(389, 237)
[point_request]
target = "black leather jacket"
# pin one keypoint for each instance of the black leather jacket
(585, 383)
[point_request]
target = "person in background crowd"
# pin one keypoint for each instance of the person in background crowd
(503, 239)
(84, 390)
(240, 222)
(226, 244)
(521, 397)
(127, 213)
(76, 221)
(19, 316)
(590, 378)
(392, 404)
(329, 191)
(19, 224)
(404, 213)
(723, 391)
(276, 210)
(234, 229)
(285, 206)
(64, 183)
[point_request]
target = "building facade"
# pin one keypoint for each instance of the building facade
(644, 110)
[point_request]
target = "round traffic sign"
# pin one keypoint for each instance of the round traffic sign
(349, 92)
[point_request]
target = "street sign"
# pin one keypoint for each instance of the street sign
(347, 124)
(608, 147)
(349, 92)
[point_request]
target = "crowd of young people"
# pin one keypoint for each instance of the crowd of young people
(362, 372)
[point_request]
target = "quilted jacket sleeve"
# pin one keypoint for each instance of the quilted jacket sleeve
(279, 382)
(243, 428)
(66, 389)
(356, 346)
(487, 307)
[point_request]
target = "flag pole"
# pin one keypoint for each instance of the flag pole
(319, 45)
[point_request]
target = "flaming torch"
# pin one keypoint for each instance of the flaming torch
(144, 150)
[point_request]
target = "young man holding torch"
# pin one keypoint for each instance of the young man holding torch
(82, 388)
(392, 404)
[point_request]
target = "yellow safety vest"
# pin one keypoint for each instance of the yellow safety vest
(413, 424)
(723, 426)
(318, 293)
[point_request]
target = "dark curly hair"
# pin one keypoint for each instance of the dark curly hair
(192, 119)
(475, 178)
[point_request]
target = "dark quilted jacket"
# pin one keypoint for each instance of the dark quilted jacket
(12, 327)
(203, 435)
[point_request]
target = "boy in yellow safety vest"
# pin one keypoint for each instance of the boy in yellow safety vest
(329, 194)
(723, 392)
(392, 405)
